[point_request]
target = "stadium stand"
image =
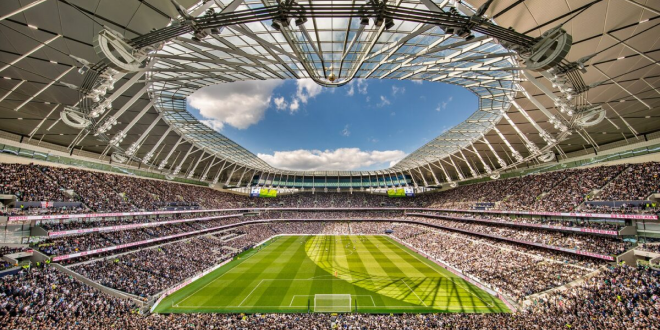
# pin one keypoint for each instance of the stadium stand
(558, 191)
(516, 270)
(123, 208)
(43, 298)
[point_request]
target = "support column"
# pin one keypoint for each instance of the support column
(133, 149)
(119, 137)
(163, 163)
(514, 152)
(150, 154)
(177, 169)
(199, 160)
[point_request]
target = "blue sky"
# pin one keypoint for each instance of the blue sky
(368, 124)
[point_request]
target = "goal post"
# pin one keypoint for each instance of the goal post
(332, 303)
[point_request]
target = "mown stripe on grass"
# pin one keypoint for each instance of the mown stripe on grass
(459, 289)
(425, 282)
(370, 283)
(292, 264)
(234, 287)
(284, 267)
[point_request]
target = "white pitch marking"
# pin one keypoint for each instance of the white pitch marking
(413, 292)
(239, 305)
(393, 307)
(213, 281)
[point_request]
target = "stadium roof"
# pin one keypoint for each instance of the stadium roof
(542, 93)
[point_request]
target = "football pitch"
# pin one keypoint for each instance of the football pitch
(287, 273)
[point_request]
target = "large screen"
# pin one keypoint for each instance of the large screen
(263, 192)
(401, 192)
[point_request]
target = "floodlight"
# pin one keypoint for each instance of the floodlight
(464, 32)
(389, 23)
(83, 69)
(301, 20)
(276, 24)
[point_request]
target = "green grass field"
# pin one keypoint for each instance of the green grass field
(381, 275)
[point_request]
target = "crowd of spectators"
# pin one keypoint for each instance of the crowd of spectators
(570, 193)
(71, 224)
(646, 207)
(45, 298)
(149, 271)
(101, 191)
(16, 211)
(586, 242)
(618, 298)
(29, 184)
(523, 220)
(557, 191)
(347, 215)
(526, 191)
(505, 268)
(370, 228)
(597, 244)
(92, 190)
(96, 240)
(649, 247)
(636, 182)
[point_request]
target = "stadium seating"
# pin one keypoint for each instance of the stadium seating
(517, 259)
(44, 298)
(558, 191)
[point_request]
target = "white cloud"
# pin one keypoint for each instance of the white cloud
(393, 162)
(345, 132)
(343, 159)
(307, 89)
(280, 103)
(398, 90)
(239, 104)
(295, 105)
(216, 125)
(443, 104)
(372, 140)
(362, 86)
(418, 82)
(383, 102)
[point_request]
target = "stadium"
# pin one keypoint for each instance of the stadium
(326, 164)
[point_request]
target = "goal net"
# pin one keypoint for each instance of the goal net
(332, 303)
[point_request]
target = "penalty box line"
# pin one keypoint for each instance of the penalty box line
(333, 279)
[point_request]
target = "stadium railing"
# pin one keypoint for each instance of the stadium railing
(521, 224)
(531, 213)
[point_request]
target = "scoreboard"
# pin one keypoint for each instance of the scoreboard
(263, 192)
(401, 192)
